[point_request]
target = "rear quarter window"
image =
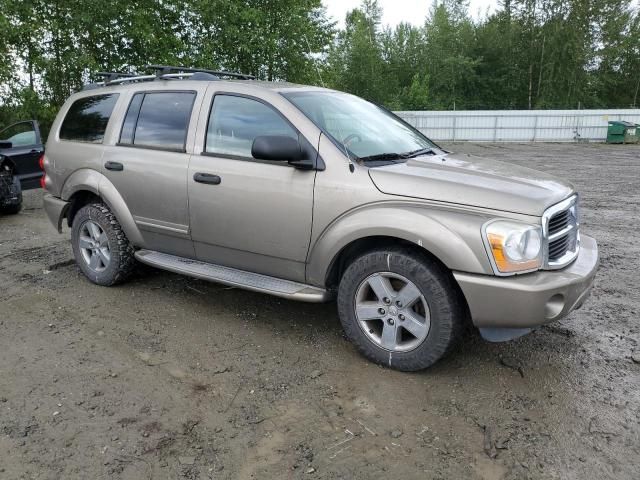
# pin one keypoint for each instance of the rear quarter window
(87, 118)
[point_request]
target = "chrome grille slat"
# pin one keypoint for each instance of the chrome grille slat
(560, 233)
(561, 230)
(559, 219)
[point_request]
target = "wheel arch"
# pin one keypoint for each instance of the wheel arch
(87, 186)
(449, 245)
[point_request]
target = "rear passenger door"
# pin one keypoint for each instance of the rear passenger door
(257, 217)
(149, 164)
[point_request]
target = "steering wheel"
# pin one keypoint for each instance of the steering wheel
(351, 138)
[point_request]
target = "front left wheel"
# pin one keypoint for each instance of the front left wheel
(401, 308)
(100, 246)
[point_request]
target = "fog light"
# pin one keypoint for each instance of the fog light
(554, 306)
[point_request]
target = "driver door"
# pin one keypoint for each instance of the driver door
(245, 213)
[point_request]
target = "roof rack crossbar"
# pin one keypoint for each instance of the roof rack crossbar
(132, 78)
(162, 70)
(110, 76)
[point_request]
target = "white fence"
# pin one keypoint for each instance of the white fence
(518, 125)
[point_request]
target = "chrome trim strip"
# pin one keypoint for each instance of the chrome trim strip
(157, 226)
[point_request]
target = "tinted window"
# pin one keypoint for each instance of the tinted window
(129, 125)
(87, 118)
(163, 120)
(236, 121)
(20, 134)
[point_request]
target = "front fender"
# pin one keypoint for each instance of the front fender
(454, 237)
(95, 182)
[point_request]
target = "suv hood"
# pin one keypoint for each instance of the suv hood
(474, 181)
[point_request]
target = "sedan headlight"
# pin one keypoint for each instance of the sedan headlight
(513, 247)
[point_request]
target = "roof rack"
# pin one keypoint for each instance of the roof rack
(164, 70)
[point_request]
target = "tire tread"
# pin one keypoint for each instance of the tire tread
(124, 251)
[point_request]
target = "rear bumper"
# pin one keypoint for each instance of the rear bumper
(56, 210)
(534, 299)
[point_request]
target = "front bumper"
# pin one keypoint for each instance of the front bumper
(530, 300)
(56, 210)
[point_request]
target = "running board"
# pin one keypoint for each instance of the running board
(233, 277)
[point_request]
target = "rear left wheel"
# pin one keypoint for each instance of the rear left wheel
(100, 246)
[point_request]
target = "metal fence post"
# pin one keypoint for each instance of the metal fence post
(454, 127)
(535, 128)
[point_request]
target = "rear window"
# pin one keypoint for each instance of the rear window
(87, 118)
(158, 120)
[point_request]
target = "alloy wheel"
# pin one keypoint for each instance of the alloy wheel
(392, 312)
(94, 246)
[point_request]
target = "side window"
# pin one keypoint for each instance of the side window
(158, 120)
(87, 118)
(19, 134)
(129, 125)
(235, 122)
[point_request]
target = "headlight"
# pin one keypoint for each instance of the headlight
(514, 247)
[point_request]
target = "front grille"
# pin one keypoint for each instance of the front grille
(562, 233)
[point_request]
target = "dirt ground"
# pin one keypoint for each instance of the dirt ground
(169, 377)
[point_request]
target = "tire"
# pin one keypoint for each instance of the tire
(422, 331)
(100, 246)
(16, 207)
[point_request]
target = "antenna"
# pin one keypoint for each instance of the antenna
(352, 167)
(315, 63)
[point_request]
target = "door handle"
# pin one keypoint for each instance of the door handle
(114, 166)
(207, 178)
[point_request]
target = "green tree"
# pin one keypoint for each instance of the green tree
(405, 55)
(271, 39)
(451, 64)
(356, 62)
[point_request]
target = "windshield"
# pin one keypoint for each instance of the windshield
(362, 129)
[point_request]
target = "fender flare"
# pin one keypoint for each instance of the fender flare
(89, 180)
(420, 226)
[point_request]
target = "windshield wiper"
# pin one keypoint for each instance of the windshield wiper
(422, 151)
(384, 156)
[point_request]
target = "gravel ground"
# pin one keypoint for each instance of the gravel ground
(171, 377)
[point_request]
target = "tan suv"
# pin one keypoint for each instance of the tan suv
(305, 193)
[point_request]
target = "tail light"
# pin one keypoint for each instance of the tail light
(43, 178)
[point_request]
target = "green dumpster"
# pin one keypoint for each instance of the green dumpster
(623, 132)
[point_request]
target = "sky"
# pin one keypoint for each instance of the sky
(396, 11)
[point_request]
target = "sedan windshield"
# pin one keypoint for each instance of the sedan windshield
(360, 128)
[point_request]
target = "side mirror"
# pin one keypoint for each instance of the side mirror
(5, 144)
(276, 148)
